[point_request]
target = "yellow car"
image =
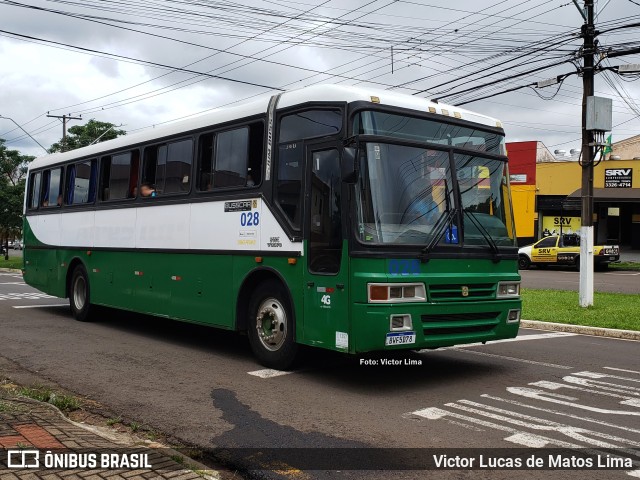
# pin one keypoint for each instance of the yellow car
(564, 250)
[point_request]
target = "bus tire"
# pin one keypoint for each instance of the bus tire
(271, 326)
(79, 294)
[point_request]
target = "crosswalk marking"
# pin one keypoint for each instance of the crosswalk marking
(24, 296)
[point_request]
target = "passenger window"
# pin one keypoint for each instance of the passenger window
(52, 188)
(81, 183)
(232, 150)
(116, 174)
(167, 168)
(310, 123)
(232, 158)
(34, 190)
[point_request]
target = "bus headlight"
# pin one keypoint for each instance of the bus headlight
(508, 290)
(396, 292)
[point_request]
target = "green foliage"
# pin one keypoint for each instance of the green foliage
(83, 135)
(13, 170)
(609, 310)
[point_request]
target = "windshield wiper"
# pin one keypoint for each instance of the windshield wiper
(485, 234)
(439, 230)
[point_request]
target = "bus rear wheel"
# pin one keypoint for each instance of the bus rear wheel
(271, 326)
(79, 294)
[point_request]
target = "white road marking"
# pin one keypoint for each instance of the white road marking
(268, 373)
(536, 423)
(622, 370)
(24, 296)
(628, 274)
(512, 359)
(537, 432)
(582, 418)
(518, 437)
(521, 338)
(564, 400)
(12, 283)
(41, 306)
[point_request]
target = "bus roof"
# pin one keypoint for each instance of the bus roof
(316, 93)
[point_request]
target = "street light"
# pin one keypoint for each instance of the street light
(2, 116)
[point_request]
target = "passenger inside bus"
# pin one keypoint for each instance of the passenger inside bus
(147, 190)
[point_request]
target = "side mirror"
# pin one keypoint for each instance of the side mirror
(348, 164)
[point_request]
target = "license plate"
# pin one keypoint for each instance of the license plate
(612, 258)
(400, 338)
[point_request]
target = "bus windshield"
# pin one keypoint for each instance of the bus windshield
(406, 195)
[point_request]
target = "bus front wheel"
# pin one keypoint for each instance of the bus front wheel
(79, 294)
(271, 326)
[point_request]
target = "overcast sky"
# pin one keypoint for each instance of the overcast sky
(424, 47)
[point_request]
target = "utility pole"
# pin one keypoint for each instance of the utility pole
(64, 127)
(586, 231)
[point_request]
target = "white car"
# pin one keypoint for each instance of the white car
(564, 250)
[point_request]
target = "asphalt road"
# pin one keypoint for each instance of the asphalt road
(620, 281)
(544, 389)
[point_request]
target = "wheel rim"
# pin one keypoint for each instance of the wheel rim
(271, 324)
(79, 292)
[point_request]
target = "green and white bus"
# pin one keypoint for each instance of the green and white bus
(331, 216)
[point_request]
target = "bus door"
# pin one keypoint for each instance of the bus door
(326, 319)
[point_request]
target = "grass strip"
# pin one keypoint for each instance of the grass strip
(609, 310)
(634, 266)
(13, 262)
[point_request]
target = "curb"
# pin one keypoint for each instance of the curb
(10, 270)
(124, 439)
(595, 331)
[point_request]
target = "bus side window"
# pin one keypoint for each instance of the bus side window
(231, 158)
(80, 183)
(205, 162)
(167, 168)
(34, 190)
(114, 181)
(52, 188)
(178, 170)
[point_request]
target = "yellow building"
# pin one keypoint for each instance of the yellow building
(547, 194)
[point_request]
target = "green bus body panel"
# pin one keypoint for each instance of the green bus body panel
(203, 288)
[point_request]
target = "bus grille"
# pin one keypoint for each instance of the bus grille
(458, 292)
(459, 323)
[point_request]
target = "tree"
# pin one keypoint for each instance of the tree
(13, 171)
(82, 135)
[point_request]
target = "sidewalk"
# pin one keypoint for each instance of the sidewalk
(38, 433)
